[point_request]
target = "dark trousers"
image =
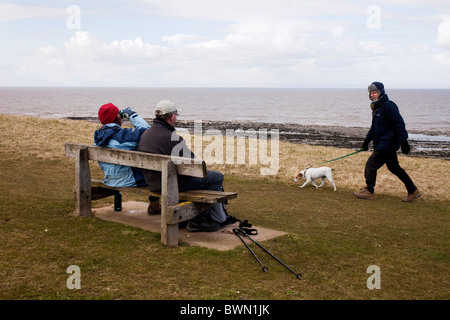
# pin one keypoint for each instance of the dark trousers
(377, 160)
(212, 181)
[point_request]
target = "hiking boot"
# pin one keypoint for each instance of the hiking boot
(202, 226)
(412, 196)
(229, 220)
(154, 208)
(364, 194)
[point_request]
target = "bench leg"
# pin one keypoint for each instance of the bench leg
(118, 202)
(169, 234)
(169, 197)
(83, 192)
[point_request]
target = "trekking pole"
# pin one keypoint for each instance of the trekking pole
(298, 275)
(238, 233)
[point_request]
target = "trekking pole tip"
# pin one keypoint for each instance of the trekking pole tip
(264, 269)
(299, 276)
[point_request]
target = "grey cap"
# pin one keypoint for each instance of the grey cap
(373, 87)
(377, 86)
(165, 107)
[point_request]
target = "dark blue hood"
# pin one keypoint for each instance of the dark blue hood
(104, 134)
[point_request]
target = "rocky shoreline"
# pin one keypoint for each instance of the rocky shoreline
(429, 144)
(331, 136)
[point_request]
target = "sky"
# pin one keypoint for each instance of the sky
(231, 43)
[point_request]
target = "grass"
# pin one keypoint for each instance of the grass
(332, 237)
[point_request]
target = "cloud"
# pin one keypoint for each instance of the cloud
(266, 39)
(371, 48)
(337, 31)
(226, 43)
(419, 49)
(236, 59)
(267, 52)
(86, 46)
(443, 37)
(14, 12)
(442, 59)
(181, 39)
(238, 10)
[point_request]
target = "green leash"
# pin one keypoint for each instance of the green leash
(347, 155)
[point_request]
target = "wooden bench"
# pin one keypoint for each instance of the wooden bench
(176, 206)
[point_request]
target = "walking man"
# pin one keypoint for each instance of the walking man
(388, 134)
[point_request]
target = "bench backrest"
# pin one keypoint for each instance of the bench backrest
(150, 161)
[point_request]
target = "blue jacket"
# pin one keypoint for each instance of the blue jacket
(388, 128)
(111, 135)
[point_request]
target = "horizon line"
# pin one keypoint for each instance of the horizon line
(212, 87)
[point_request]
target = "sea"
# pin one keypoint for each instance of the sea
(422, 109)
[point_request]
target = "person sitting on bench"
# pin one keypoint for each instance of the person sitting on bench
(161, 139)
(112, 135)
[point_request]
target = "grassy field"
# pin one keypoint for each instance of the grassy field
(332, 237)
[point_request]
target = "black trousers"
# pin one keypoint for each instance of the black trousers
(377, 160)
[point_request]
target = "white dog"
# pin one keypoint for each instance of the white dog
(311, 174)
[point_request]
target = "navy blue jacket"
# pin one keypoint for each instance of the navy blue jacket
(388, 128)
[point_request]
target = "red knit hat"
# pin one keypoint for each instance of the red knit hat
(108, 113)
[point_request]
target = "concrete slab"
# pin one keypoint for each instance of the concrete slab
(134, 214)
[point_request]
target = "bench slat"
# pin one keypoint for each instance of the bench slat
(138, 159)
(207, 196)
(202, 196)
